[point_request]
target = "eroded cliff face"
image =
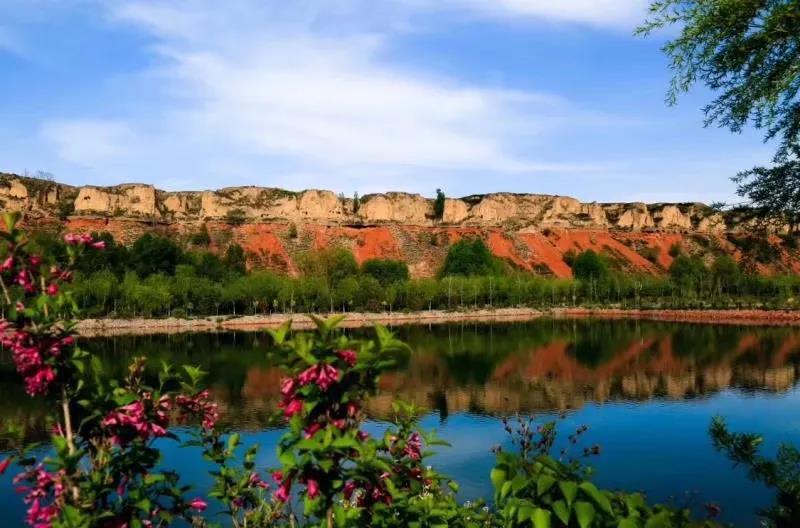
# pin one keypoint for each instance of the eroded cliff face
(533, 232)
(255, 204)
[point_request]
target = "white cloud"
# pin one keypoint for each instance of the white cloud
(90, 142)
(269, 88)
(616, 13)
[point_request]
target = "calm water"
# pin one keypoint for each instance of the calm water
(646, 390)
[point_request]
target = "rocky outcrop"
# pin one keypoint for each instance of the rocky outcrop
(257, 204)
(532, 232)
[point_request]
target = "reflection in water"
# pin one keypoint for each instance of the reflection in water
(647, 390)
(483, 369)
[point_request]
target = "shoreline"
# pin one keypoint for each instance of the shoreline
(300, 321)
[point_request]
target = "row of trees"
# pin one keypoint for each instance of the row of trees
(170, 282)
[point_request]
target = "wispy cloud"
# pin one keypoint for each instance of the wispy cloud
(90, 142)
(308, 88)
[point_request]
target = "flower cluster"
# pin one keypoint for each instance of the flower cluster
(136, 420)
(34, 356)
(83, 239)
(199, 405)
(43, 495)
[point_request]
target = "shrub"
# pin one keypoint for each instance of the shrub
(675, 250)
(438, 204)
(236, 217)
(588, 265)
(386, 271)
(470, 257)
(201, 237)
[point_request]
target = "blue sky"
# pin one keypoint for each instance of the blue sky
(472, 96)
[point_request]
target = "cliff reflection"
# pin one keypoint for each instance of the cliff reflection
(488, 369)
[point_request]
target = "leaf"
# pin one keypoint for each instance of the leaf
(597, 496)
(628, 523)
(584, 512)
(660, 520)
(562, 511)
(541, 518)
(569, 490)
(498, 477)
(544, 483)
(279, 334)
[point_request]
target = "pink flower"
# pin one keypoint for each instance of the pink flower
(348, 356)
(312, 488)
(198, 504)
(52, 290)
(328, 375)
(277, 476)
(349, 488)
(34, 260)
(287, 386)
(352, 409)
(293, 407)
(312, 429)
(283, 492)
(257, 482)
(413, 446)
(8, 264)
(309, 375)
(4, 465)
(100, 244)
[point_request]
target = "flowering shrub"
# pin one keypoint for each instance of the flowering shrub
(103, 467)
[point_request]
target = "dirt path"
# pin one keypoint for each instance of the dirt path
(106, 327)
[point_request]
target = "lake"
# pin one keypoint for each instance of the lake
(647, 391)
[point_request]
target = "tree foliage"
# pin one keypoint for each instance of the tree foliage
(588, 265)
(774, 192)
(386, 271)
(438, 204)
(470, 257)
(748, 51)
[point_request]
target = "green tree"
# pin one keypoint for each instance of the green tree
(335, 264)
(726, 273)
(356, 203)
(747, 51)
(386, 271)
(774, 192)
(588, 265)
(470, 257)
(438, 204)
(235, 259)
(688, 273)
(152, 254)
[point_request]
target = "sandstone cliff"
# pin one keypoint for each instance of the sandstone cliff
(534, 232)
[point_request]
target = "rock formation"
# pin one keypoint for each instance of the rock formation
(532, 231)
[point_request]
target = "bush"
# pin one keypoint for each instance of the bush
(470, 257)
(588, 265)
(386, 271)
(236, 217)
(152, 254)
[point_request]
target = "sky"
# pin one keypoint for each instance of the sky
(470, 96)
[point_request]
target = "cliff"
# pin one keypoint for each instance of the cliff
(534, 232)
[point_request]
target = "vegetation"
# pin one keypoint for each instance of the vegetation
(774, 192)
(236, 217)
(105, 466)
(386, 271)
(745, 50)
(438, 204)
(470, 257)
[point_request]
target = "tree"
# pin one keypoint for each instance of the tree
(236, 217)
(688, 272)
(235, 259)
(201, 238)
(438, 204)
(335, 264)
(588, 265)
(470, 257)
(726, 272)
(356, 203)
(154, 254)
(386, 271)
(746, 50)
(774, 192)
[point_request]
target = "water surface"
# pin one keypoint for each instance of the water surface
(647, 391)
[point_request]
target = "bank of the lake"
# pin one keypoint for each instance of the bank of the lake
(301, 321)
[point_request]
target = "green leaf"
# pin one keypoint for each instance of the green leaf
(498, 477)
(562, 511)
(569, 490)
(544, 483)
(630, 522)
(524, 513)
(597, 496)
(584, 512)
(279, 334)
(660, 520)
(541, 518)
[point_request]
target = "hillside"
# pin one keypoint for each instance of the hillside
(533, 232)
